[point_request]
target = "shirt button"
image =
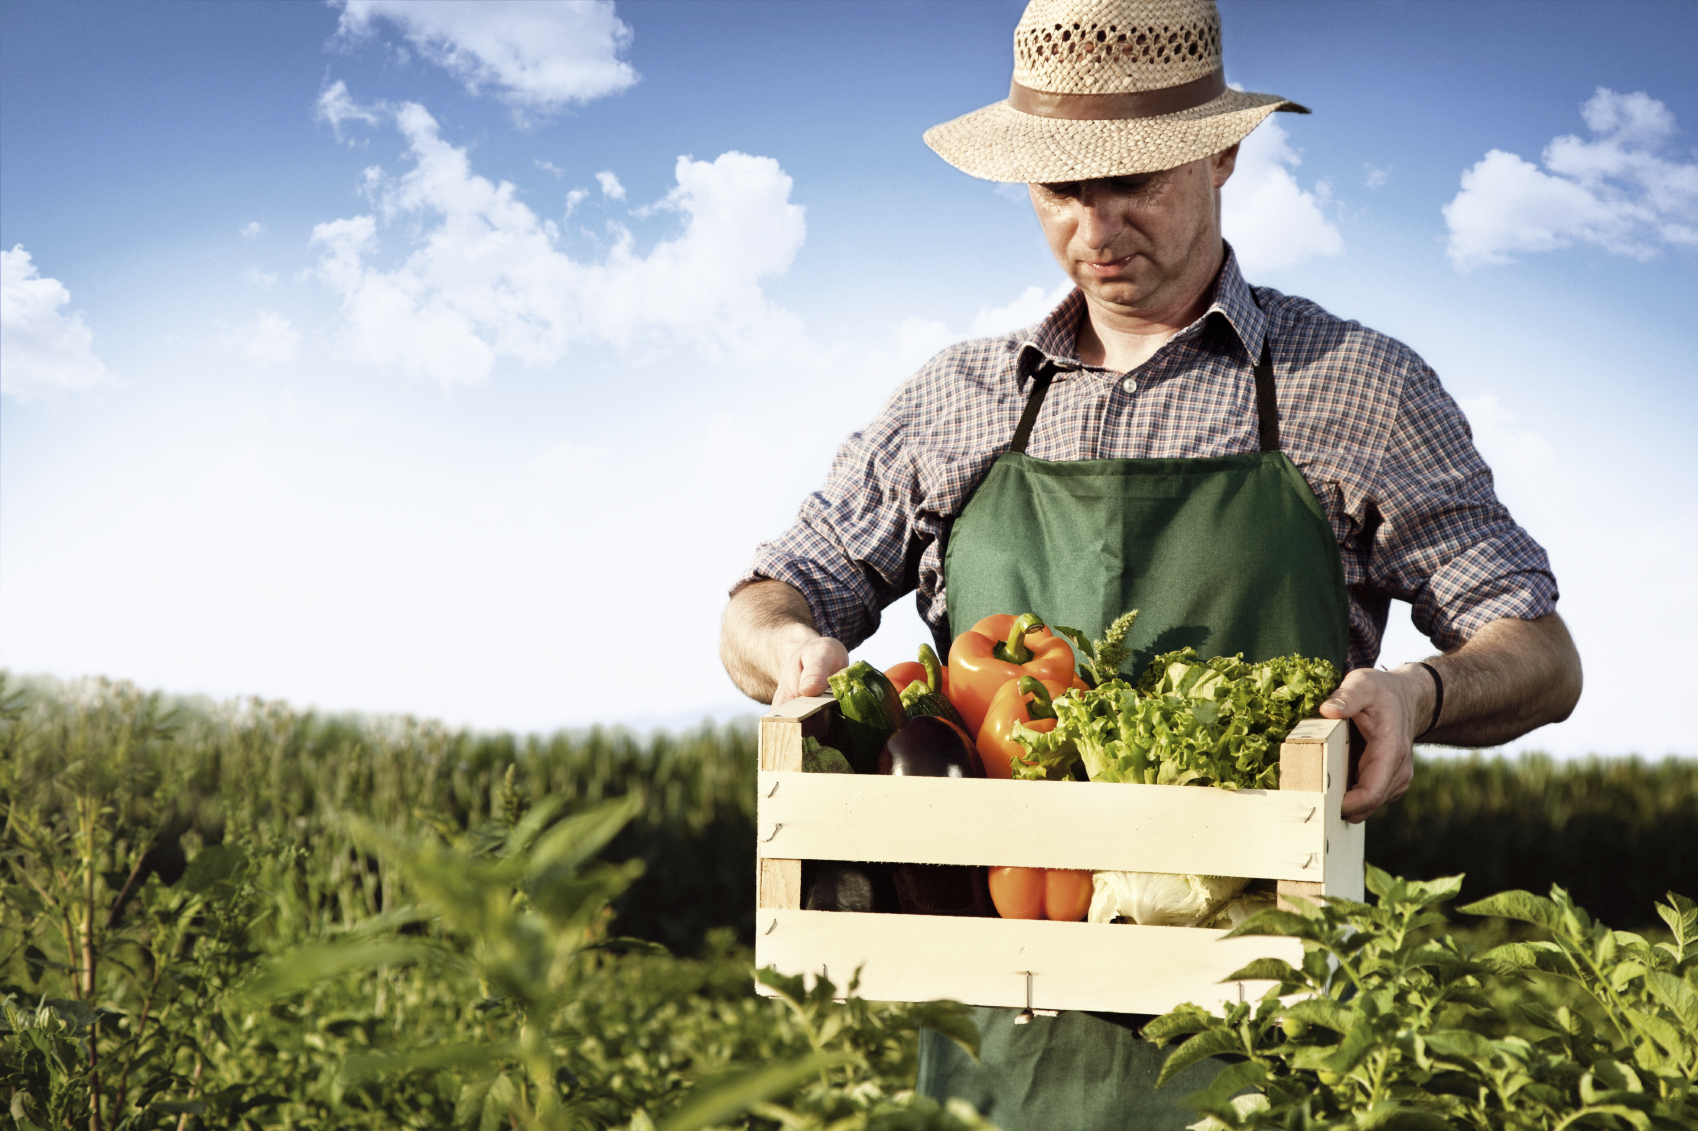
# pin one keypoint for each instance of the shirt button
(1130, 384)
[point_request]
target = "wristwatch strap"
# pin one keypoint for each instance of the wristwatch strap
(1438, 699)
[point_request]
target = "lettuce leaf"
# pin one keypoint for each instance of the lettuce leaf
(1188, 721)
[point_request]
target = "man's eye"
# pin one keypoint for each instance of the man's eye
(1064, 188)
(1129, 185)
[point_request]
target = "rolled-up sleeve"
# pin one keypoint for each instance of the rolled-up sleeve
(855, 547)
(1444, 541)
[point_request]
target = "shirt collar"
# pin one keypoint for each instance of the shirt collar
(1235, 302)
(1056, 336)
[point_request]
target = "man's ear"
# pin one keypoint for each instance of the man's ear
(1222, 164)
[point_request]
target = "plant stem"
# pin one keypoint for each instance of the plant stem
(86, 810)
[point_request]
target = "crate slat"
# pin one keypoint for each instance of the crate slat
(1120, 968)
(1316, 756)
(778, 882)
(1276, 834)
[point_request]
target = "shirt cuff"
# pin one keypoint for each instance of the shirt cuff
(837, 610)
(1509, 576)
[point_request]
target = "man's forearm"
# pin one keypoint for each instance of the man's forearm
(764, 623)
(1512, 676)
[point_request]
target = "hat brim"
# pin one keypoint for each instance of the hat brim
(1000, 143)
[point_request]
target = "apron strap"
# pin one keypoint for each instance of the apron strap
(1041, 378)
(1267, 404)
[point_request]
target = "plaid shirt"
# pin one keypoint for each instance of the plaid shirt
(1384, 447)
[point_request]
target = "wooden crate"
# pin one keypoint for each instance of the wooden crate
(1293, 834)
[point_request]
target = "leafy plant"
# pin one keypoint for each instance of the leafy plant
(1395, 1020)
(1187, 722)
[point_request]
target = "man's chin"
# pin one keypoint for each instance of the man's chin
(1121, 293)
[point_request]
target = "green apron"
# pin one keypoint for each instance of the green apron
(1228, 554)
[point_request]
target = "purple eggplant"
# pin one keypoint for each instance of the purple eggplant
(930, 747)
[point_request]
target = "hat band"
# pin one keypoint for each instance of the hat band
(1130, 104)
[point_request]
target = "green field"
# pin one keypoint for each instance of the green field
(237, 915)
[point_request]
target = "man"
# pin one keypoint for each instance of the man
(1252, 473)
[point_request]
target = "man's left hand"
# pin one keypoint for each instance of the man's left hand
(1388, 708)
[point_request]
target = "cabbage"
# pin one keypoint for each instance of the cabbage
(1160, 899)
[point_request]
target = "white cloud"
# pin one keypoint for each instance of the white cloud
(918, 340)
(1272, 222)
(1615, 191)
(42, 349)
(537, 57)
(252, 230)
(254, 277)
(266, 339)
(336, 106)
(486, 280)
(574, 198)
(1510, 451)
(610, 185)
(1030, 307)
(1377, 176)
(571, 465)
(551, 167)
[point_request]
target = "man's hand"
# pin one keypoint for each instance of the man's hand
(1511, 676)
(1388, 708)
(770, 647)
(806, 669)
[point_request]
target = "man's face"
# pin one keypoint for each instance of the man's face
(1142, 244)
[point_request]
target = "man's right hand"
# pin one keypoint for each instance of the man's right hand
(804, 672)
(770, 647)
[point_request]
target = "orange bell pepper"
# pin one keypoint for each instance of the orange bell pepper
(1025, 701)
(918, 671)
(996, 650)
(901, 675)
(1061, 894)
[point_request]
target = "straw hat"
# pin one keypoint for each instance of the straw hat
(1103, 88)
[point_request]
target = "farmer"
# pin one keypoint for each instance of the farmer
(1251, 472)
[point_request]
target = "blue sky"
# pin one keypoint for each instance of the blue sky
(451, 359)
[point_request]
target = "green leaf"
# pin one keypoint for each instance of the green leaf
(1681, 914)
(1657, 1029)
(1221, 1100)
(1183, 1019)
(1461, 1045)
(306, 966)
(732, 1099)
(1357, 1044)
(1527, 956)
(211, 864)
(1677, 994)
(1391, 1117)
(1522, 905)
(370, 1066)
(1287, 924)
(954, 1021)
(1275, 969)
(1212, 1042)
(579, 837)
(1325, 1012)
(76, 1014)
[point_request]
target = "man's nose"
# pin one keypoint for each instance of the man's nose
(1099, 222)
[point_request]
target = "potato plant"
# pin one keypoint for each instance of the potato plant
(1396, 1020)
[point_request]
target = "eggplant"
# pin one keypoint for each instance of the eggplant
(841, 885)
(930, 747)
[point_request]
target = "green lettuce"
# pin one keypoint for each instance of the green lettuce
(1188, 721)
